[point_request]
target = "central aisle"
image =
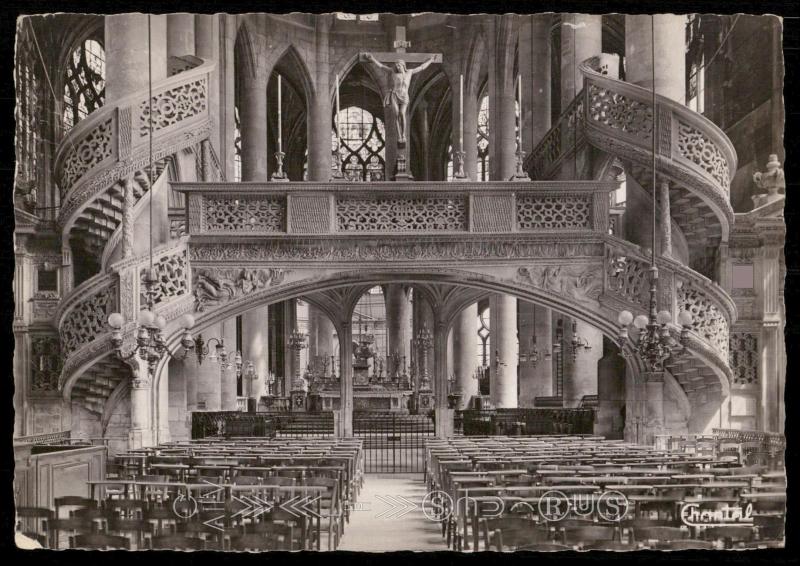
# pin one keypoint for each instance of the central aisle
(389, 517)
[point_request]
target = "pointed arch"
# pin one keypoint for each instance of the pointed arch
(244, 52)
(293, 67)
(475, 64)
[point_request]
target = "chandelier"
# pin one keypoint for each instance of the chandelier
(149, 346)
(654, 343)
(576, 343)
(366, 341)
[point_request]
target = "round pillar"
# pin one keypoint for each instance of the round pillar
(669, 31)
(398, 319)
(180, 35)
(503, 372)
(253, 125)
(581, 38)
(465, 353)
(580, 374)
(255, 347)
(320, 112)
(126, 52)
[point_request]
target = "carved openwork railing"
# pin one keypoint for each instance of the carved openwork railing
(82, 318)
(680, 288)
(693, 155)
(113, 143)
(394, 208)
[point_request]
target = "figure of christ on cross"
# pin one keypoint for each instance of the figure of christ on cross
(397, 96)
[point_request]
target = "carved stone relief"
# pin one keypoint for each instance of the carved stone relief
(581, 283)
(215, 286)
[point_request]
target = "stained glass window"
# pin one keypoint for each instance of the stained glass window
(483, 139)
(237, 146)
(27, 112)
(363, 148)
(84, 84)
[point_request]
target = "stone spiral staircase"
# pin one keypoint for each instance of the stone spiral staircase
(694, 156)
(96, 159)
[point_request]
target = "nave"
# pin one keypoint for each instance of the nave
(477, 493)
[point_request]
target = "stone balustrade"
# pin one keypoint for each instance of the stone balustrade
(263, 209)
(113, 141)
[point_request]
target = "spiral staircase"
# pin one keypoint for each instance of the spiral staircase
(616, 120)
(98, 158)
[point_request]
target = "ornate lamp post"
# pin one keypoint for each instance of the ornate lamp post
(424, 342)
(654, 344)
(296, 343)
(150, 345)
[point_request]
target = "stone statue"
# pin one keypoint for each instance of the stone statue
(772, 180)
(397, 97)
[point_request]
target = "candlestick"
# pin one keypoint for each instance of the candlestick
(338, 120)
(519, 98)
(280, 137)
(461, 114)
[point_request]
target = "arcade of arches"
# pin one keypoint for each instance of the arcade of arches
(330, 266)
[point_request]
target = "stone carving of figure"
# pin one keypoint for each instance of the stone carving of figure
(397, 97)
(772, 180)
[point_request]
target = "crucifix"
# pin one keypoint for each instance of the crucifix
(397, 98)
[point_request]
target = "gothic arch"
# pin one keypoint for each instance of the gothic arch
(244, 52)
(293, 66)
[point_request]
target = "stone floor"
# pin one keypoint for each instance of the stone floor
(389, 517)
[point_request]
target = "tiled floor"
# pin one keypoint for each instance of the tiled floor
(389, 517)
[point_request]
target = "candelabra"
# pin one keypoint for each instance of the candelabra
(424, 342)
(655, 344)
(150, 345)
(520, 174)
(577, 343)
(531, 355)
(458, 166)
(269, 379)
(279, 175)
(203, 350)
(296, 343)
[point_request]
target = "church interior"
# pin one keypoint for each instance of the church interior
(399, 282)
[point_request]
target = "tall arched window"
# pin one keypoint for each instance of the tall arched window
(28, 111)
(84, 84)
(483, 139)
(363, 148)
(237, 146)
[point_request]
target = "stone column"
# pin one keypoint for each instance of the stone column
(179, 417)
(470, 133)
(191, 375)
(161, 431)
(180, 35)
(580, 375)
(534, 65)
(398, 319)
(127, 218)
(670, 64)
(502, 142)
(771, 335)
(346, 379)
(610, 392)
(126, 51)
(320, 334)
(465, 352)
(255, 348)
(503, 372)
(228, 374)
(320, 112)
(535, 380)
(653, 407)
(141, 431)
(253, 124)
(209, 392)
(421, 116)
(581, 38)
(443, 414)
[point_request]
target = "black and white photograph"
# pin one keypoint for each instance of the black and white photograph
(383, 282)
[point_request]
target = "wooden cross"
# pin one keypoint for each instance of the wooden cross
(400, 44)
(401, 83)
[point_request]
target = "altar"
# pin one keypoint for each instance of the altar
(393, 400)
